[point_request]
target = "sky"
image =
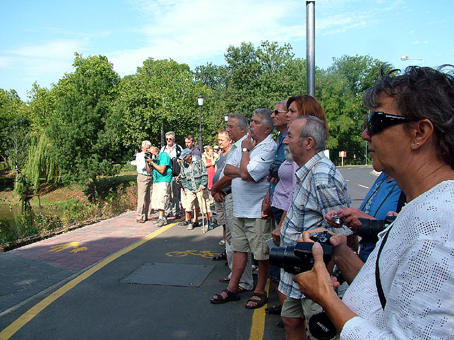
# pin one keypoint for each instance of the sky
(38, 38)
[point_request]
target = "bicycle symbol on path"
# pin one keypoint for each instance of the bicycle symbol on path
(207, 254)
(74, 245)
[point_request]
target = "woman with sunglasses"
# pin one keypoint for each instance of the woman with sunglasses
(405, 289)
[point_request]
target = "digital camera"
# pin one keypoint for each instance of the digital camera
(298, 258)
(370, 229)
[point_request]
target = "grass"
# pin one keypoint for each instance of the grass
(65, 207)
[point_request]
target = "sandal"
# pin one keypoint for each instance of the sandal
(263, 299)
(218, 298)
(274, 310)
(222, 256)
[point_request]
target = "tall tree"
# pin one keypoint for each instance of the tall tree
(161, 95)
(79, 125)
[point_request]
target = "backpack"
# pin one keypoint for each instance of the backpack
(175, 165)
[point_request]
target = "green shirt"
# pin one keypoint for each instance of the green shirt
(163, 158)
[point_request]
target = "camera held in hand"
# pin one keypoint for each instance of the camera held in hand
(149, 155)
(370, 229)
(298, 258)
(274, 170)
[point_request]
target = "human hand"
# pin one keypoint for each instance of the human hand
(266, 208)
(316, 284)
(348, 216)
(248, 142)
(201, 188)
(276, 235)
(219, 197)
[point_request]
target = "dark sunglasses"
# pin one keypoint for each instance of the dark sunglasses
(377, 121)
(169, 138)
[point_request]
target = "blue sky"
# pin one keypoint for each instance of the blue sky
(39, 37)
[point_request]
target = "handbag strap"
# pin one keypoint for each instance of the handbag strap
(381, 295)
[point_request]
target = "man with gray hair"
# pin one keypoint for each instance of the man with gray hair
(320, 188)
(174, 151)
(144, 182)
(248, 166)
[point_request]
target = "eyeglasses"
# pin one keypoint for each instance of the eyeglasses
(276, 112)
(377, 121)
(229, 126)
(169, 138)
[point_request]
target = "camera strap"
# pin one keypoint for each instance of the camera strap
(381, 295)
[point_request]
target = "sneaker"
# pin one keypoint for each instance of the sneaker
(183, 223)
(161, 222)
(190, 226)
(196, 224)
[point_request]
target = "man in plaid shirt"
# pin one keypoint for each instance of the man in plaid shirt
(320, 188)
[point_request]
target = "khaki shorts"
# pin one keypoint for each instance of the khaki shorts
(195, 200)
(161, 195)
(219, 208)
(183, 201)
(250, 235)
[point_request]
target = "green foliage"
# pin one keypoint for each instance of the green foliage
(92, 120)
(81, 127)
(162, 94)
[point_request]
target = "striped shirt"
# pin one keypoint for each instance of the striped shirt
(320, 188)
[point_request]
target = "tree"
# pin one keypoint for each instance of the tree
(340, 90)
(161, 95)
(80, 125)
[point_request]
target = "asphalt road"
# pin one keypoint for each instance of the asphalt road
(152, 287)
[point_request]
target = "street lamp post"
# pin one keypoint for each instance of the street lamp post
(405, 58)
(200, 100)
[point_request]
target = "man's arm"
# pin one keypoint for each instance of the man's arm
(232, 171)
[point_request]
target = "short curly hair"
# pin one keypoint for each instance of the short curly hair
(421, 93)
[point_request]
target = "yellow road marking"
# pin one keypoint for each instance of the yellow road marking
(9, 331)
(258, 319)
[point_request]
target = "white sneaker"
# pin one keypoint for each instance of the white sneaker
(161, 222)
(190, 226)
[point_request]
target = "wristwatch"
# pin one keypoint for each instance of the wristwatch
(245, 150)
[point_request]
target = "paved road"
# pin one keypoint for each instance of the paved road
(118, 279)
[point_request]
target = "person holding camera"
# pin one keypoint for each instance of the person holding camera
(144, 182)
(404, 290)
(162, 181)
(384, 197)
(320, 188)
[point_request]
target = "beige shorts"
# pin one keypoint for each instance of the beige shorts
(161, 195)
(250, 235)
(183, 201)
(194, 200)
(219, 208)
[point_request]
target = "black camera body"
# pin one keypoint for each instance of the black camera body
(298, 258)
(370, 229)
(149, 155)
(273, 172)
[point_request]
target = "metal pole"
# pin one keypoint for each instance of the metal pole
(310, 48)
(200, 132)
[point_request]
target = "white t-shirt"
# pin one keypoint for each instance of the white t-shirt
(417, 275)
(248, 195)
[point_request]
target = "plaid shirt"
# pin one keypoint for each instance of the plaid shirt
(320, 188)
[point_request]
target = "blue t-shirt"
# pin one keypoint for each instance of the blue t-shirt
(382, 198)
(163, 158)
(279, 157)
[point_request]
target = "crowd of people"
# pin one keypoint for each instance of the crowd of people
(397, 283)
